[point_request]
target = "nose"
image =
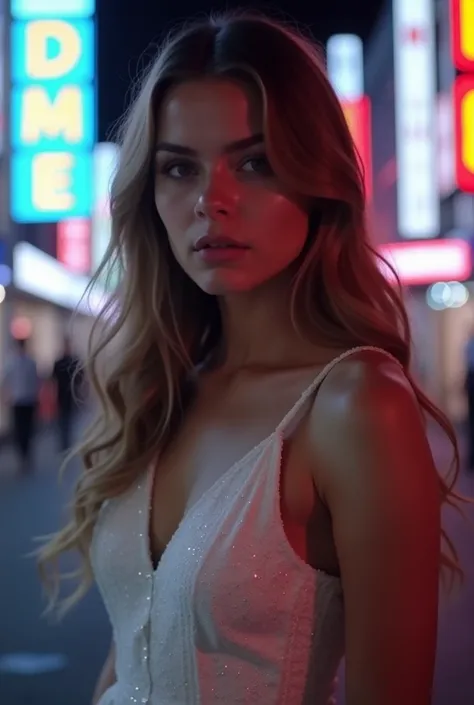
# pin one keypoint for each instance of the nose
(218, 199)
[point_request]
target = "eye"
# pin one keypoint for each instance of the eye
(257, 164)
(178, 170)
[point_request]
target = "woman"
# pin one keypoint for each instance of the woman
(259, 495)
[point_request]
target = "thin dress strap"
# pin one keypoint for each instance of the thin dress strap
(288, 423)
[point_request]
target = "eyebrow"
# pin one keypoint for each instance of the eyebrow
(236, 146)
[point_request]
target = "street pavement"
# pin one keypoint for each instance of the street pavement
(42, 663)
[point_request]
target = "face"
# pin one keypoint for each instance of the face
(231, 223)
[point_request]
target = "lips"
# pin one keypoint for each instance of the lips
(218, 242)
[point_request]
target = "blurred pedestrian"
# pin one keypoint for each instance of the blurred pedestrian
(68, 379)
(21, 390)
(469, 385)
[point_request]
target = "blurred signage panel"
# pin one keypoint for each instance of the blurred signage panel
(52, 110)
(418, 207)
(446, 145)
(418, 263)
(464, 131)
(462, 34)
(73, 244)
(106, 155)
(358, 117)
(38, 274)
(345, 65)
(2, 77)
(24, 9)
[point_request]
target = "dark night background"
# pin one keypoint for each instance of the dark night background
(128, 30)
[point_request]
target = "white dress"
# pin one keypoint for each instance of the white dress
(231, 614)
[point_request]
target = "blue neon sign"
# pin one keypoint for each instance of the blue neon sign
(53, 107)
(26, 9)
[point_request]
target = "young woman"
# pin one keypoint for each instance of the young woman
(259, 496)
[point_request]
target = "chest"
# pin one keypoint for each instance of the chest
(216, 435)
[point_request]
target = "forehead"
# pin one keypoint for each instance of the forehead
(209, 112)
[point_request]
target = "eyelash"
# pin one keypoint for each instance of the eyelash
(168, 167)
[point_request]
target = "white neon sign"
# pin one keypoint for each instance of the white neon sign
(345, 65)
(415, 118)
(418, 263)
(41, 275)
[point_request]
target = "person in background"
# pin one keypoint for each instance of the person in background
(470, 400)
(68, 379)
(21, 389)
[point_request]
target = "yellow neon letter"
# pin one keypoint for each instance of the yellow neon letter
(467, 122)
(466, 29)
(41, 66)
(51, 181)
(62, 116)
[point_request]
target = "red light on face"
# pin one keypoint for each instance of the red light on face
(462, 34)
(358, 118)
(464, 132)
(426, 262)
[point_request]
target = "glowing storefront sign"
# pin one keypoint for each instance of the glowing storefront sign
(462, 34)
(464, 129)
(418, 207)
(37, 273)
(345, 65)
(106, 156)
(73, 244)
(418, 263)
(358, 117)
(24, 9)
(52, 110)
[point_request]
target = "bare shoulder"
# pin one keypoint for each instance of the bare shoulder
(366, 402)
(374, 469)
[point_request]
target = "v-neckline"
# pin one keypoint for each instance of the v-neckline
(278, 432)
(190, 508)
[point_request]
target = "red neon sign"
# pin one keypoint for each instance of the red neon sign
(429, 261)
(464, 131)
(462, 34)
(358, 118)
(73, 244)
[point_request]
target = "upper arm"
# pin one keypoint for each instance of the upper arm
(377, 475)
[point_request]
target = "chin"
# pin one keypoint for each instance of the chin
(216, 285)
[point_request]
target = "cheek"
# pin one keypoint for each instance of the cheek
(286, 225)
(174, 218)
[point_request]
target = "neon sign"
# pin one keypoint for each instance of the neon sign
(462, 34)
(422, 262)
(464, 131)
(53, 109)
(73, 244)
(358, 118)
(418, 207)
(345, 64)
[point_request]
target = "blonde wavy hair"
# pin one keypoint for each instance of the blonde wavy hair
(160, 325)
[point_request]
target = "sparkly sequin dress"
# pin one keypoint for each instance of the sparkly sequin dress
(231, 614)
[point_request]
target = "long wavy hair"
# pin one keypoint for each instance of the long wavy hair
(160, 325)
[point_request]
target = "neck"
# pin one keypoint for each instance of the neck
(258, 332)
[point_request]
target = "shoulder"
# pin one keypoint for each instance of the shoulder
(366, 410)
(374, 470)
(363, 392)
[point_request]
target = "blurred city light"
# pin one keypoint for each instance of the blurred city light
(444, 295)
(415, 118)
(418, 263)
